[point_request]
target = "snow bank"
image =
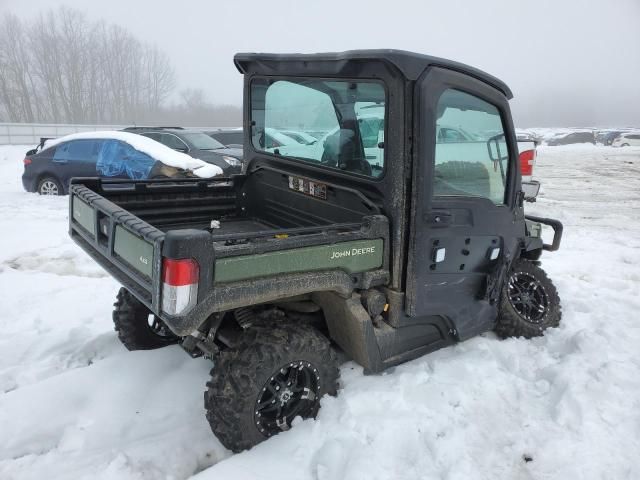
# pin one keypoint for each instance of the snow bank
(152, 148)
(75, 404)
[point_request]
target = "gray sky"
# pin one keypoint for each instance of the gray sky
(568, 62)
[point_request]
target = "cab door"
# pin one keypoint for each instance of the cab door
(465, 226)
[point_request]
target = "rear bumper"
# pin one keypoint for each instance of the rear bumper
(28, 183)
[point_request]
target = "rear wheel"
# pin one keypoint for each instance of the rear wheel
(50, 186)
(530, 303)
(137, 327)
(277, 373)
(624, 145)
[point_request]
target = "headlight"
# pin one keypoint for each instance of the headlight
(234, 162)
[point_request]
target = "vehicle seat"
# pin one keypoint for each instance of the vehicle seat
(462, 178)
(340, 150)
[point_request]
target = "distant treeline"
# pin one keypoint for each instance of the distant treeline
(63, 68)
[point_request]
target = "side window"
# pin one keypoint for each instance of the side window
(173, 142)
(471, 157)
(78, 151)
(61, 152)
(152, 135)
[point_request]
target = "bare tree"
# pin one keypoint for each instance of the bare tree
(61, 67)
(16, 81)
(159, 78)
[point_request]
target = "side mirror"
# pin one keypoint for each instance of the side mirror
(530, 190)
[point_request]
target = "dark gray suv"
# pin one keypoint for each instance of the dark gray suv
(196, 144)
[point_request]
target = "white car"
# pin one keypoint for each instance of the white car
(301, 137)
(275, 141)
(630, 139)
(449, 134)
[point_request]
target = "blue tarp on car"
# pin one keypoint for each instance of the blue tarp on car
(119, 159)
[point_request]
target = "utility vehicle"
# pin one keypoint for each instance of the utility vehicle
(273, 272)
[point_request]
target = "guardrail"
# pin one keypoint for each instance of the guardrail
(30, 133)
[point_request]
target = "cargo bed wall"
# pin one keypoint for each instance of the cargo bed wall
(169, 206)
(264, 200)
(278, 198)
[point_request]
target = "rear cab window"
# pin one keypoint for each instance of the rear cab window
(347, 118)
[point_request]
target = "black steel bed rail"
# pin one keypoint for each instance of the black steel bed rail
(285, 232)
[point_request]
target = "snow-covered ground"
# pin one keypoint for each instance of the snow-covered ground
(75, 404)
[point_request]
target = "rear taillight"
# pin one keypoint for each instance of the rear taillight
(527, 160)
(26, 161)
(179, 285)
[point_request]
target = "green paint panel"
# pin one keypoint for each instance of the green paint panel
(84, 215)
(135, 251)
(352, 257)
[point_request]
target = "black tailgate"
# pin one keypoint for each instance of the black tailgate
(123, 244)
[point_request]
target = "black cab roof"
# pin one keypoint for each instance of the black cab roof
(409, 64)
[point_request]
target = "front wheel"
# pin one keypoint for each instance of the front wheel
(277, 373)
(530, 303)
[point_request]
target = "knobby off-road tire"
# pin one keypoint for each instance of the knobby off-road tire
(278, 372)
(529, 302)
(131, 321)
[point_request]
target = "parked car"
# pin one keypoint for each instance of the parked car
(627, 140)
(301, 137)
(606, 137)
(195, 144)
(586, 136)
(105, 154)
(229, 137)
(527, 151)
(449, 134)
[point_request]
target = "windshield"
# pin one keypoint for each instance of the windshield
(335, 124)
(201, 141)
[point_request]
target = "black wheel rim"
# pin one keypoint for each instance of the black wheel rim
(158, 327)
(292, 391)
(528, 297)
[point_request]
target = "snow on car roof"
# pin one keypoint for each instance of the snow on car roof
(281, 137)
(154, 149)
